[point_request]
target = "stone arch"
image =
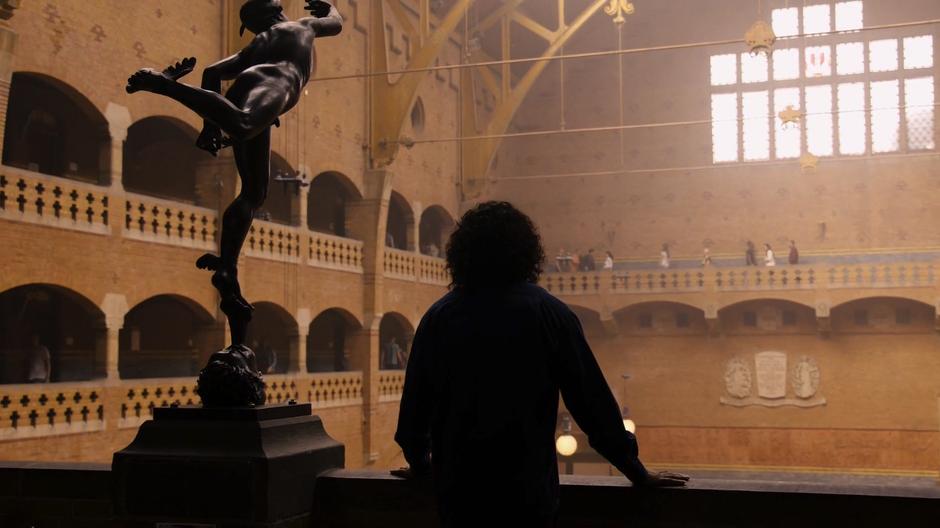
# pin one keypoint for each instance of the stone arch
(160, 159)
(330, 341)
(273, 335)
(590, 320)
(433, 230)
(768, 314)
(395, 335)
(39, 316)
(399, 227)
(166, 336)
(53, 129)
(883, 314)
(661, 317)
(327, 206)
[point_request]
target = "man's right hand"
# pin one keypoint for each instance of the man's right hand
(666, 479)
(318, 8)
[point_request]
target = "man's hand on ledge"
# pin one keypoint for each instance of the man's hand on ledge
(408, 473)
(666, 479)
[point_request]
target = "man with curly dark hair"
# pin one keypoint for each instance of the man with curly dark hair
(487, 363)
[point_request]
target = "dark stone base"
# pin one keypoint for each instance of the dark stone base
(232, 467)
(231, 379)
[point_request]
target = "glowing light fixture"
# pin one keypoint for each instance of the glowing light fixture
(566, 445)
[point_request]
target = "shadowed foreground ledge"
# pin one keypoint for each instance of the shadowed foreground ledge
(78, 495)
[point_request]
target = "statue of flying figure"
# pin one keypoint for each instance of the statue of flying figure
(269, 76)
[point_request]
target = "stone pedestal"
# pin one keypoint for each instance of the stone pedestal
(224, 467)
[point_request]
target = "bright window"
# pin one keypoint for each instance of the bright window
(918, 52)
(852, 132)
(817, 19)
(843, 94)
(818, 61)
(724, 70)
(786, 22)
(919, 113)
(819, 120)
(788, 136)
(850, 58)
(753, 68)
(725, 127)
(883, 55)
(849, 16)
(885, 116)
(756, 114)
(786, 64)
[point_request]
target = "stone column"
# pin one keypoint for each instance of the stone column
(298, 346)
(115, 308)
(415, 232)
(119, 120)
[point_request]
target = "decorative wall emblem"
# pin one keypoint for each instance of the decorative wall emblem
(738, 378)
(776, 385)
(804, 378)
(619, 8)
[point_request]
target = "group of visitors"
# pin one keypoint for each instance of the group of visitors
(566, 261)
(770, 258)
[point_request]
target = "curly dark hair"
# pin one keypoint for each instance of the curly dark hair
(494, 244)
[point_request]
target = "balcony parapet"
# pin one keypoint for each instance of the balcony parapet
(410, 266)
(273, 241)
(150, 219)
(32, 411)
(391, 385)
(36, 198)
(333, 252)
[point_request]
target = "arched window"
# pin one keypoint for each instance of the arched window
(160, 159)
(53, 129)
(50, 332)
(395, 334)
(329, 341)
(436, 225)
(166, 336)
(271, 335)
(330, 194)
(400, 223)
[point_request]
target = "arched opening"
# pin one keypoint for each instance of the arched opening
(51, 128)
(330, 194)
(400, 223)
(50, 333)
(436, 225)
(160, 159)
(329, 342)
(660, 318)
(761, 316)
(883, 315)
(281, 205)
(272, 335)
(395, 335)
(166, 337)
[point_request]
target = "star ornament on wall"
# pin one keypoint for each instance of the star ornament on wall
(790, 116)
(808, 162)
(760, 38)
(619, 8)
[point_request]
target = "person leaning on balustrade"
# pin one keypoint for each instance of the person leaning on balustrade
(485, 430)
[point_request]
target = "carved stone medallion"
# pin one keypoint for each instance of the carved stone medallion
(738, 378)
(804, 378)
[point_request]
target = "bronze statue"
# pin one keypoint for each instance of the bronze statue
(269, 77)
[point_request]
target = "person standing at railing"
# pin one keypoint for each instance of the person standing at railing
(587, 262)
(750, 254)
(769, 259)
(664, 258)
(485, 430)
(794, 257)
(706, 258)
(40, 362)
(609, 261)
